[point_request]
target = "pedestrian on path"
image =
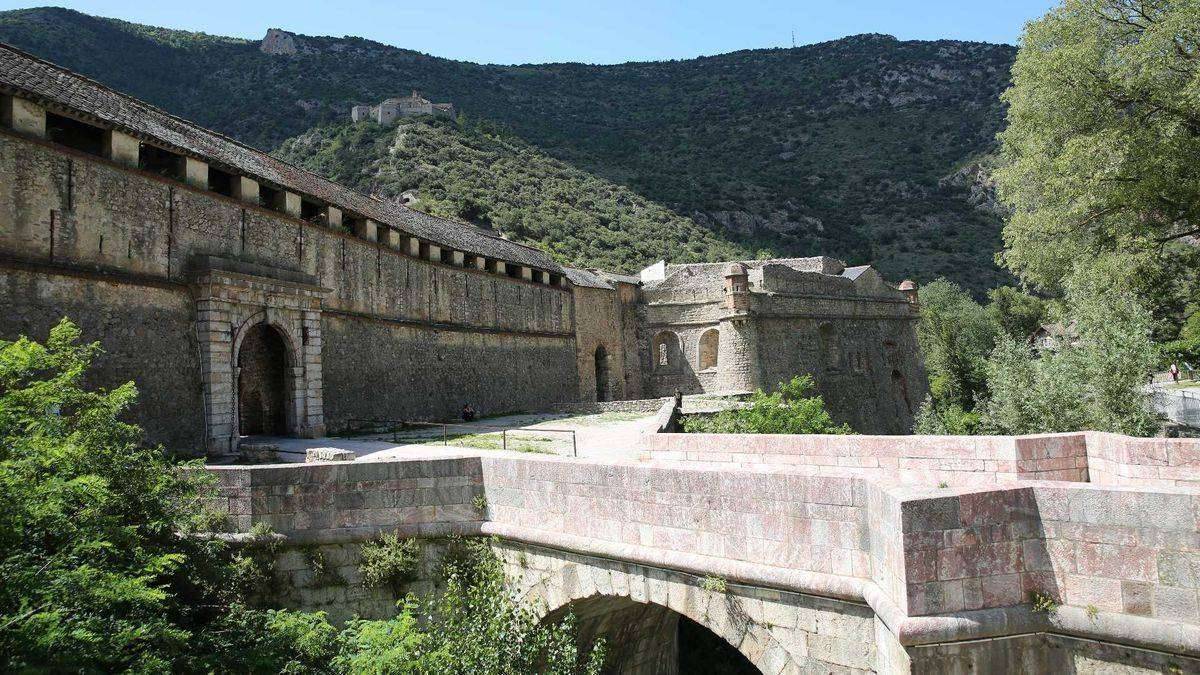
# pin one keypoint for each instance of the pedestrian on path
(1174, 372)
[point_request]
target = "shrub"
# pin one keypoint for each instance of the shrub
(786, 411)
(389, 561)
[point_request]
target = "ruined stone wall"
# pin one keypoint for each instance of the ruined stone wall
(136, 236)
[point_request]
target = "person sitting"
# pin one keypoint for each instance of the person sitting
(468, 413)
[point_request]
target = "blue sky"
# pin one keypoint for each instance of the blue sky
(521, 31)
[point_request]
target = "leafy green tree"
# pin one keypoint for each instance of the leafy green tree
(956, 335)
(1099, 155)
(1097, 382)
(96, 574)
(789, 410)
(107, 563)
(1018, 314)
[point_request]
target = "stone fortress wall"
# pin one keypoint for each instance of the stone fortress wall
(171, 260)
(749, 325)
(858, 572)
(115, 249)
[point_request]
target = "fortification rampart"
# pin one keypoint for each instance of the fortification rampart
(129, 256)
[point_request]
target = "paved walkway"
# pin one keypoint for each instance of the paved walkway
(608, 435)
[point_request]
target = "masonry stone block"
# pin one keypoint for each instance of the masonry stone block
(526, 273)
(290, 203)
(367, 229)
(122, 148)
(195, 172)
(23, 116)
(333, 216)
(457, 258)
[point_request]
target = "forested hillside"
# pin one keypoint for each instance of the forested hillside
(863, 148)
(476, 173)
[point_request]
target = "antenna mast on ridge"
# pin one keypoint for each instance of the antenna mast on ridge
(793, 38)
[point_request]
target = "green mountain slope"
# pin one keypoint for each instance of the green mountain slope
(473, 172)
(860, 148)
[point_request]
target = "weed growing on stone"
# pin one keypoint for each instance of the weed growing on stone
(480, 503)
(1092, 612)
(389, 561)
(1042, 603)
(714, 584)
(324, 576)
(943, 484)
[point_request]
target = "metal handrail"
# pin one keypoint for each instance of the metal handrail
(397, 425)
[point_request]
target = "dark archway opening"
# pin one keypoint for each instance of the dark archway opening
(650, 638)
(262, 382)
(601, 373)
(702, 652)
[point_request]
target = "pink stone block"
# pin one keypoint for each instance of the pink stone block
(1002, 590)
(1116, 562)
(1103, 593)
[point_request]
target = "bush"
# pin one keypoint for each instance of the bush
(389, 561)
(786, 411)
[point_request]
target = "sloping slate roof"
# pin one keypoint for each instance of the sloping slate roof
(586, 278)
(855, 272)
(56, 87)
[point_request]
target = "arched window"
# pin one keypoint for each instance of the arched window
(829, 345)
(666, 350)
(710, 341)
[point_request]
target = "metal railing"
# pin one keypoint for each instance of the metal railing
(394, 427)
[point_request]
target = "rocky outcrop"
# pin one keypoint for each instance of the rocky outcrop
(279, 42)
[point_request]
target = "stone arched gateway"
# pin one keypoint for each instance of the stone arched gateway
(774, 631)
(245, 316)
(265, 392)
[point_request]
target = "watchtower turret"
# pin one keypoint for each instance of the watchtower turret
(737, 287)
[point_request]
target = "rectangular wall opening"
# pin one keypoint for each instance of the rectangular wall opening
(220, 182)
(75, 134)
(162, 162)
(311, 211)
(513, 271)
(270, 197)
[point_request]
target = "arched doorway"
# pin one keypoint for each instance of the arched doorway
(262, 382)
(710, 346)
(601, 373)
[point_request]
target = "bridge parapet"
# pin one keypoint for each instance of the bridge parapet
(1102, 458)
(935, 563)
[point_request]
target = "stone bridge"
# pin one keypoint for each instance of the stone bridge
(795, 554)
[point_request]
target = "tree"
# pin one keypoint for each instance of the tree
(789, 410)
(1103, 133)
(956, 334)
(1096, 383)
(1018, 314)
(106, 565)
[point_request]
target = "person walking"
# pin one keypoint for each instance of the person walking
(1174, 373)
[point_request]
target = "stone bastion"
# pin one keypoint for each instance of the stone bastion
(1050, 553)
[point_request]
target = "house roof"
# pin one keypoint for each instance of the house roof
(63, 90)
